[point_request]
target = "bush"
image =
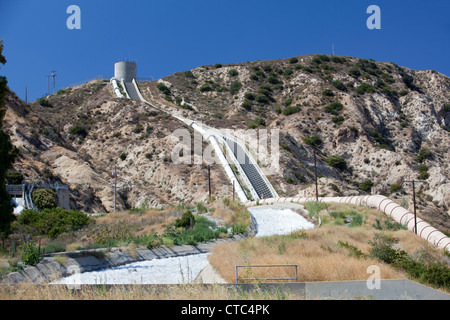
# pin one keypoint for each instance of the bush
(44, 198)
(30, 253)
(354, 72)
(291, 110)
(338, 120)
(235, 87)
(53, 222)
(79, 131)
(314, 141)
(425, 269)
(123, 156)
(423, 172)
(334, 108)
(247, 105)
(261, 99)
(327, 93)
(396, 187)
(44, 102)
(337, 162)
(233, 72)
(256, 123)
(13, 177)
(205, 88)
(293, 60)
(366, 186)
(364, 88)
(186, 220)
(339, 85)
(163, 88)
(423, 154)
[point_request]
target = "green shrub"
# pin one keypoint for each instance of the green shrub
(247, 105)
(339, 85)
(366, 186)
(256, 123)
(396, 187)
(30, 253)
(44, 198)
(291, 110)
(293, 60)
(327, 93)
(163, 88)
(79, 131)
(53, 222)
(334, 108)
(13, 177)
(423, 172)
(337, 162)
(354, 72)
(235, 87)
(123, 156)
(426, 269)
(364, 88)
(423, 154)
(44, 102)
(249, 96)
(186, 220)
(338, 120)
(205, 88)
(382, 250)
(262, 99)
(233, 73)
(314, 141)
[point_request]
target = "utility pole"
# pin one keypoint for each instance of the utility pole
(315, 175)
(53, 76)
(209, 180)
(414, 201)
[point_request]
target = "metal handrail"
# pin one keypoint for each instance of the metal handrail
(266, 279)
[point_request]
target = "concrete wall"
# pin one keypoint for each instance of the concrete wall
(125, 71)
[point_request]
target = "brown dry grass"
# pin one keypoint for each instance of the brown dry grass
(316, 252)
(155, 292)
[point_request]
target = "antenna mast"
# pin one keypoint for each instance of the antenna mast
(53, 76)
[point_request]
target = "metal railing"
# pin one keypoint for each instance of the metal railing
(267, 266)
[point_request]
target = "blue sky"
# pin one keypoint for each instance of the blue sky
(167, 36)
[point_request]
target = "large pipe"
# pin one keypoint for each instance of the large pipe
(388, 206)
(116, 88)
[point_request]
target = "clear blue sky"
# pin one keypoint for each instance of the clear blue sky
(167, 36)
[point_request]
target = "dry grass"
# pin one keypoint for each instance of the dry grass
(155, 292)
(318, 253)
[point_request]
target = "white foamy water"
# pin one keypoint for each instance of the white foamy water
(177, 270)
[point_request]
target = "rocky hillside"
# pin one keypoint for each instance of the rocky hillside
(388, 123)
(373, 124)
(77, 137)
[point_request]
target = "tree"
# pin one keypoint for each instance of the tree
(44, 198)
(8, 154)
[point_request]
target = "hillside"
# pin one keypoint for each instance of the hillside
(387, 122)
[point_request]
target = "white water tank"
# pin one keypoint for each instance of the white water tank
(125, 70)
